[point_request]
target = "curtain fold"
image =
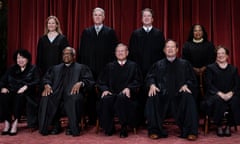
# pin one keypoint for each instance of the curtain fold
(26, 20)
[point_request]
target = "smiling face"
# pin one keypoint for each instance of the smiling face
(21, 61)
(197, 32)
(147, 18)
(68, 55)
(170, 49)
(222, 55)
(52, 25)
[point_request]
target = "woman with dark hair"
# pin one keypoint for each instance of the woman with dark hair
(51, 44)
(199, 52)
(17, 87)
(222, 92)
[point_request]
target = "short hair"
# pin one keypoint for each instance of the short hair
(148, 10)
(225, 49)
(58, 29)
(99, 9)
(172, 41)
(73, 51)
(123, 45)
(24, 53)
(191, 35)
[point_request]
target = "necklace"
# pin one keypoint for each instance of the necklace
(198, 41)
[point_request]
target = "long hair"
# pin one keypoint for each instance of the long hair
(58, 29)
(191, 35)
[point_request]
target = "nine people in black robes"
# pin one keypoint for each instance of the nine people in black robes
(118, 84)
(64, 86)
(171, 83)
(97, 46)
(222, 95)
(18, 86)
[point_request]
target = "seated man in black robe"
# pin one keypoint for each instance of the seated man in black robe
(171, 83)
(64, 85)
(118, 84)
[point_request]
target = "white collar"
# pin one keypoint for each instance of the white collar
(99, 26)
(122, 62)
(171, 59)
(147, 28)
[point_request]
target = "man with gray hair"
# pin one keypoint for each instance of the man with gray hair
(96, 50)
(64, 87)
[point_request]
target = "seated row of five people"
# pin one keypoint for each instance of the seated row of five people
(171, 86)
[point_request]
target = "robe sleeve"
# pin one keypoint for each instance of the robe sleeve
(236, 88)
(102, 82)
(87, 77)
(34, 72)
(151, 76)
(209, 81)
(136, 81)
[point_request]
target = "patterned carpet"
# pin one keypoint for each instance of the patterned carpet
(89, 136)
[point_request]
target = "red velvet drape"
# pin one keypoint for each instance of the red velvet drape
(174, 17)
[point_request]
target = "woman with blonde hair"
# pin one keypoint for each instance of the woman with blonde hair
(51, 44)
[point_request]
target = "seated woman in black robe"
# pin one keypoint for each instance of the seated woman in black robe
(222, 95)
(17, 86)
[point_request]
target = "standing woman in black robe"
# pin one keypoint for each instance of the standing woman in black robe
(222, 83)
(51, 45)
(17, 86)
(199, 52)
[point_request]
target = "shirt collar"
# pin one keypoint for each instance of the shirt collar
(100, 26)
(145, 28)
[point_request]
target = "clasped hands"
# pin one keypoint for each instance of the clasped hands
(225, 96)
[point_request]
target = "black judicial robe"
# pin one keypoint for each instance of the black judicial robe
(199, 54)
(146, 48)
(169, 77)
(13, 80)
(115, 78)
(50, 53)
(97, 50)
(62, 78)
(224, 80)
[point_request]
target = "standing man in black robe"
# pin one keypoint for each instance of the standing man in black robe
(64, 86)
(119, 83)
(146, 43)
(171, 83)
(146, 47)
(96, 50)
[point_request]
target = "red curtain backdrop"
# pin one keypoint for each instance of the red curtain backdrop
(26, 19)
